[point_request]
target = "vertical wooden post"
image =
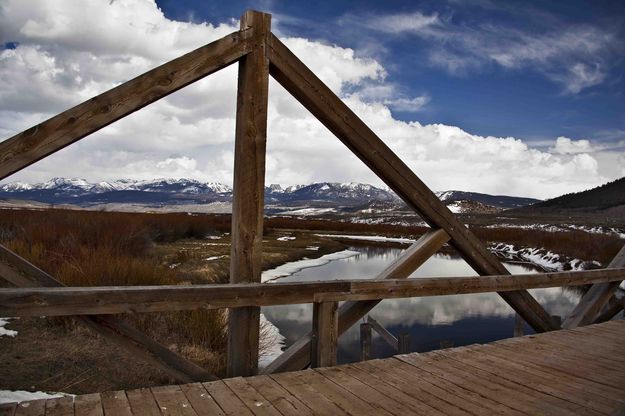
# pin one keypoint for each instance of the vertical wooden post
(403, 343)
(518, 325)
(365, 341)
(248, 193)
(325, 334)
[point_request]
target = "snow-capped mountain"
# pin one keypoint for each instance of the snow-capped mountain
(169, 192)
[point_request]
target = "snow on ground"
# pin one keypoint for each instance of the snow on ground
(455, 207)
(4, 331)
(271, 343)
(8, 396)
(563, 227)
(215, 258)
(312, 248)
(545, 259)
(370, 238)
(286, 238)
(308, 211)
(293, 267)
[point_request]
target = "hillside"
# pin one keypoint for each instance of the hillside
(608, 199)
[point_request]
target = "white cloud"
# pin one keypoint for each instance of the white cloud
(573, 55)
(64, 58)
(566, 146)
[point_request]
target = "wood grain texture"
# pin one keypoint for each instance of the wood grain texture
(62, 301)
(248, 193)
(309, 90)
(596, 298)
(111, 328)
(324, 334)
(66, 128)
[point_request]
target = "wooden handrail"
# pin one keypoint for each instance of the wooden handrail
(112, 300)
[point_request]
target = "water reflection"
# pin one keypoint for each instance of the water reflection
(459, 319)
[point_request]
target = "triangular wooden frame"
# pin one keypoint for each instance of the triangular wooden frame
(260, 54)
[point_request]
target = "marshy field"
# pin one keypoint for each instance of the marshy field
(87, 248)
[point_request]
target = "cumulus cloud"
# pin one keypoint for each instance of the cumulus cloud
(64, 57)
(566, 146)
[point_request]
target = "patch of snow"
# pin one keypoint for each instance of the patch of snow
(212, 237)
(293, 267)
(286, 238)
(455, 207)
(4, 331)
(308, 211)
(272, 342)
(215, 257)
(174, 265)
(312, 248)
(380, 238)
(18, 396)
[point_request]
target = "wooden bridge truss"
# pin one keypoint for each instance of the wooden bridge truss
(261, 54)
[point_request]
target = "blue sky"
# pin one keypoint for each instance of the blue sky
(514, 98)
(522, 100)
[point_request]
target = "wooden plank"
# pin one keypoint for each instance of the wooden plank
(172, 401)
(420, 389)
(142, 402)
(517, 374)
(332, 392)
(111, 328)
(60, 301)
(293, 383)
(7, 409)
(365, 392)
(285, 402)
(593, 301)
(31, 408)
(255, 401)
(226, 399)
(386, 387)
(499, 390)
(309, 90)
(499, 360)
(297, 356)
(325, 334)
(89, 405)
(66, 128)
(248, 193)
(201, 400)
(383, 332)
(62, 406)
(115, 403)
(403, 344)
(365, 341)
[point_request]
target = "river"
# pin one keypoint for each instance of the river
(430, 321)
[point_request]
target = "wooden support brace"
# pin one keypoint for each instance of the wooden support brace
(19, 271)
(324, 334)
(593, 301)
(72, 125)
(403, 343)
(297, 356)
(309, 90)
(614, 306)
(383, 332)
(365, 341)
(248, 193)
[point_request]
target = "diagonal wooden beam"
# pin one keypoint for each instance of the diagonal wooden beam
(64, 129)
(593, 301)
(297, 356)
(22, 273)
(309, 90)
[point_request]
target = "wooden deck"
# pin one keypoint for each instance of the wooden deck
(578, 371)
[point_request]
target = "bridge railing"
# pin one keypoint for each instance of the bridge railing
(324, 295)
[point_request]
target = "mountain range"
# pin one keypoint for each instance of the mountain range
(185, 192)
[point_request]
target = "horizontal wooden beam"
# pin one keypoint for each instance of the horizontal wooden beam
(330, 110)
(132, 299)
(593, 301)
(19, 271)
(64, 129)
